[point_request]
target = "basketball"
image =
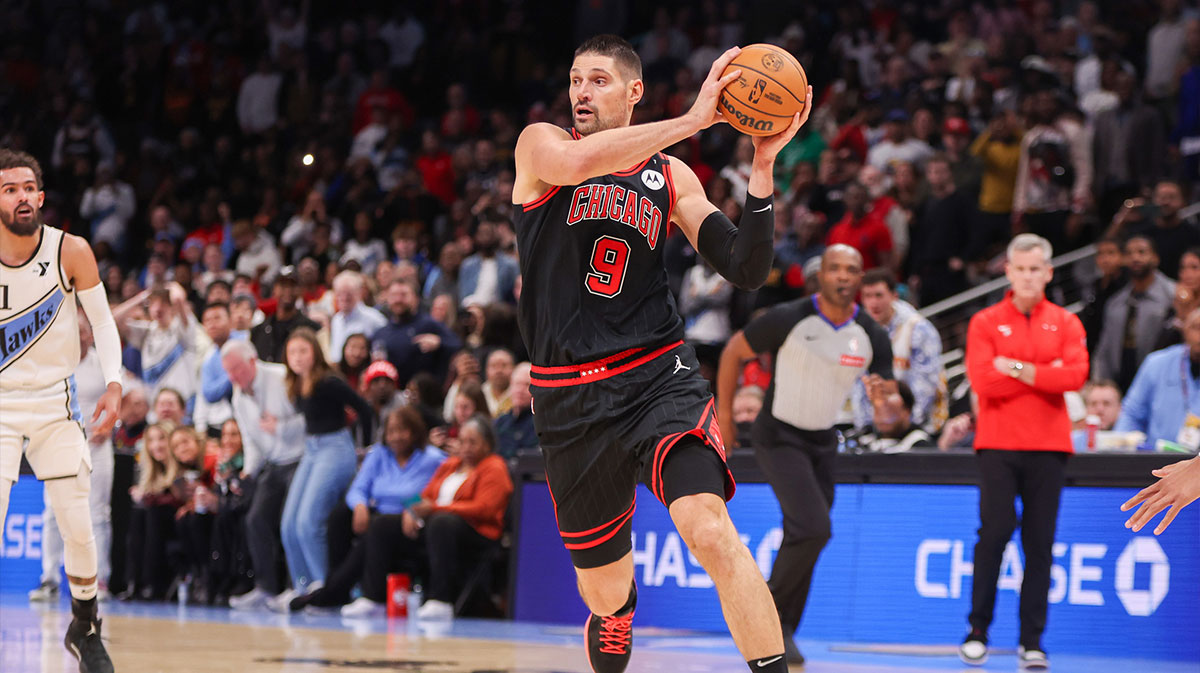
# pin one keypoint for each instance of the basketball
(769, 92)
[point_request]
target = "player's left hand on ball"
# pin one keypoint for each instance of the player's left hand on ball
(769, 146)
(107, 409)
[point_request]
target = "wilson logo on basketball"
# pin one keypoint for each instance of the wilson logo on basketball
(739, 118)
(616, 203)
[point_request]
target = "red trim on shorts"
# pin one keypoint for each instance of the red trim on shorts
(552, 500)
(597, 370)
(617, 525)
(601, 527)
(703, 431)
(541, 200)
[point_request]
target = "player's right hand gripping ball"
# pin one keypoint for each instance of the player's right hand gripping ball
(769, 92)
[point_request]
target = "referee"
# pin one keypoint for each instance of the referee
(821, 345)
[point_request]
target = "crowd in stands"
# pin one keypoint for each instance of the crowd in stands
(303, 218)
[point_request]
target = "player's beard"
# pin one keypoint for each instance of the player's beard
(595, 124)
(22, 225)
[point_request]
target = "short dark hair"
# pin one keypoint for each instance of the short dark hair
(244, 298)
(1141, 237)
(410, 418)
(215, 283)
(880, 275)
(215, 304)
(618, 49)
(18, 159)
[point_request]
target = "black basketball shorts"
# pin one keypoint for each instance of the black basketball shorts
(606, 425)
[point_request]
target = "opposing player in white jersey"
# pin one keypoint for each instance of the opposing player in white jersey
(43, 271)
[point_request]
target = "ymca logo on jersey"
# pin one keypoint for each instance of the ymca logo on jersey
(17, 334)
(621, 205)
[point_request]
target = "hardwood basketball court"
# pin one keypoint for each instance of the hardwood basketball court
(164, 638)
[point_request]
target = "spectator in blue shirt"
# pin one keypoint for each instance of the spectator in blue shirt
(414, 342)
(213, 404)
(1164, 400)
(488, 276)
(352, 316)
(514, 428)
(390, 479)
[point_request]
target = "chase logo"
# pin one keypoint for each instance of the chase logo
(1076, 576)
(1143, 602)
(18, 333)
(653, 179)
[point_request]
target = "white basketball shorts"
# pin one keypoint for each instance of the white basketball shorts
(50, 420)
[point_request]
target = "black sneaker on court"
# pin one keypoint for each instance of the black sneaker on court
(1033, 659)
(610, 639)
(83, 642)
(973, 650)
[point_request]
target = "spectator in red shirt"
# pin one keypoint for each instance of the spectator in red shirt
(436, 167)
(380, 93)
(861, 229)
(1022, 355)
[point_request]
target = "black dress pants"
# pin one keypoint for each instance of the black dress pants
(124, 477)
(455, 548)
(367, 559)
(800, 471)
(1037, 477)
(151, 530)
(262, 525)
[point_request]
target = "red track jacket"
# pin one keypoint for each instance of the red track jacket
(1013, 415)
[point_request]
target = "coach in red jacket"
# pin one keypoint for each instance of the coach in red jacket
(1022, 355)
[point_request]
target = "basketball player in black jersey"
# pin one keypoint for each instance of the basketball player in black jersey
(618, 397)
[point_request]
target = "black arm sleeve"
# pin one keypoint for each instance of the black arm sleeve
(742, 254)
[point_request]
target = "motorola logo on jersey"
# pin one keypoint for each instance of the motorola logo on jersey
(653, 179)
(616, 203)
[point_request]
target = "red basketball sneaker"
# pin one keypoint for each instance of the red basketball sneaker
(610, 639)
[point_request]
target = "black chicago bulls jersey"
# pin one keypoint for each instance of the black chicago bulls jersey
(591, 255)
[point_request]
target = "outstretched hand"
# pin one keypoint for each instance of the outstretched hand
(705, 109)
(107, 409)
(767, 147)
(1178, 487)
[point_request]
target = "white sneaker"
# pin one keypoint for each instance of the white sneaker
(255, 599)
(313, 586)
(973, 651)
(46, 591)
(1032, 660)
(364, 608)
(283, 602)
(435, 610)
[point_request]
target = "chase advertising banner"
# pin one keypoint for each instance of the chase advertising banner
(898, 570)
(21, 542)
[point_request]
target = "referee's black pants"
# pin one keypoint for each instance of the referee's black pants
(801, 474)
(1038, 478)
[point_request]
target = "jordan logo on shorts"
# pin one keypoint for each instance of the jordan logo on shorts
(679, 365)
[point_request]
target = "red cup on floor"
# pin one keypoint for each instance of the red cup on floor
(398, 585)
